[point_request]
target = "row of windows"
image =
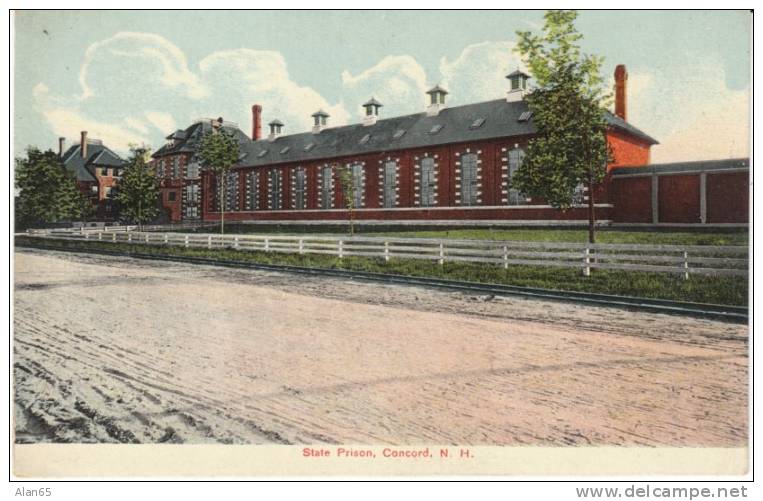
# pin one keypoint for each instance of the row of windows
(170, 168)
(468, 184)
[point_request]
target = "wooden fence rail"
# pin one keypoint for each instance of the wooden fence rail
(679, 259)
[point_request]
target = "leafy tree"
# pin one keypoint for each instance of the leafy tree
(138, 195)
(47, 191)
(344, 174)
(568, 110)
(219, 151)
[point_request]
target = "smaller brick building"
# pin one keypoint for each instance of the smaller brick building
(97, 170)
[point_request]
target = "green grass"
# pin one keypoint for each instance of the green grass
(563, 235)
(605, 236)
(702, 289)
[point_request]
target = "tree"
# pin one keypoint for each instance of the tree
(138, 195)
(568, 109)
(344, 174)
(218, 152)
(47, 191)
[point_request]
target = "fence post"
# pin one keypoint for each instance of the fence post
(686, 265)
(186, 241)
(166, 238)
(442, 254)
(386, 251)
(587, 261)
(87, 236)
(209, 242)
(235, 243)
(267, 244)
(100, 236)
(129, 237)
(341, 252)
(505, 257)
(147, 237)
(301, 246)
(113, 237)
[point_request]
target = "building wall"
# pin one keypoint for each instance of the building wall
(728, 197)
(176, 209)
(627, 150)
(493, 170)
(678, 199)
(632, 199)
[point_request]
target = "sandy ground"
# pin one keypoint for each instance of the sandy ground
(111, 349)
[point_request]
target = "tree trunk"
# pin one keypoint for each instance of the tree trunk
(591, 211)
(222, 205)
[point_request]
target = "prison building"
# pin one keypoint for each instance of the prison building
(444, 164)
(441, 166)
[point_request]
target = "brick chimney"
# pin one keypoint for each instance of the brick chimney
(256, 122)
(83, 144)
(61, 141)
(621, 99)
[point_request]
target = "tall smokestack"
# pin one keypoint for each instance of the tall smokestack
(256, 122)
(621, 98)
(61, 141)
(83, 144)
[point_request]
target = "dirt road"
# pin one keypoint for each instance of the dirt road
(112, 349)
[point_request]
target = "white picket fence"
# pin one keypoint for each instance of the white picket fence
(679, 259)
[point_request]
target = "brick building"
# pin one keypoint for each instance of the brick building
(440, 166)
(179, 170)
(97, 170)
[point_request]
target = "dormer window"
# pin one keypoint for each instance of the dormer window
(435, 129)
(285, 150)
(398, 134)
(262, 153)
(477, 123)
(365, 139)
(309, 146)
(525, 116)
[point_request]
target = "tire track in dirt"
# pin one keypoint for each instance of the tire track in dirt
(182, 354)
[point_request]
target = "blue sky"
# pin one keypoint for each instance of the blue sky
(130, 77)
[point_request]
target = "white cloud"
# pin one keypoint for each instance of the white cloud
(151, 54)
(258, 76)
(691, 112)
(68, 122)
(136, 124)
(398, 82)
(162, 121)
(479, 72)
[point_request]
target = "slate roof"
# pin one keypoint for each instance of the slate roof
(193, 135)
(697, 166)
(98, 155)
(501, 121)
